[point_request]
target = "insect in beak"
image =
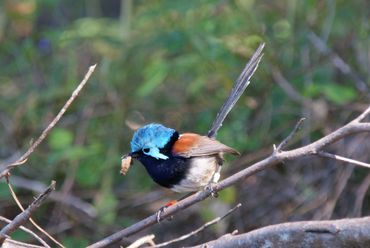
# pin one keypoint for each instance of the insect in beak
(126, 162)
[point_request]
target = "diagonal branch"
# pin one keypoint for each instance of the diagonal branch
(26, 214)
(51, 125)
(275, 158)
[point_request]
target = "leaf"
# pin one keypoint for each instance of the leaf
(154, 74)
(60, 139)
(338, 94)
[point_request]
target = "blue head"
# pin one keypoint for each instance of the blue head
(150, 139)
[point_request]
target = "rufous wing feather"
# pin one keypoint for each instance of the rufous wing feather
(195, 145)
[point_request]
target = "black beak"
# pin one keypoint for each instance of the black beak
(131, 154)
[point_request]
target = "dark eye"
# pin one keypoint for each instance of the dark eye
(146, 150)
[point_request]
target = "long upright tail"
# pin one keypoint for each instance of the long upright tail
(240, 85)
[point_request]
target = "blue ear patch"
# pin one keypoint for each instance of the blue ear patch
(151, 136)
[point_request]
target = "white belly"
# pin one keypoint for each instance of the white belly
(199, 175)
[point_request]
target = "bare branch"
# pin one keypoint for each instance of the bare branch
(333, 233)
(51, 125)
(26, 214)
(27, 231)
(343, 159)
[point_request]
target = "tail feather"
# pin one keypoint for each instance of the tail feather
(240, 85)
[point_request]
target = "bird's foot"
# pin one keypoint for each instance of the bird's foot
(162, 209)
(211, 188)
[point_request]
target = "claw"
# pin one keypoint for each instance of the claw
(162, 209)
(210, 188)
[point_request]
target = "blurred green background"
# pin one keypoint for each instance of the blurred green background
(174, 62)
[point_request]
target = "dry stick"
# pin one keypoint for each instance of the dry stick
(46, 131)
(206, 225)
(311, 149)
(27, 231)
(148, 239)
(31, 220)
(26, 214)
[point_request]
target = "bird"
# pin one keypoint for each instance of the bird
(186, 162)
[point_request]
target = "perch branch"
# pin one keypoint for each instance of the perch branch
(352, 127)
(51, 125)
(26, 214)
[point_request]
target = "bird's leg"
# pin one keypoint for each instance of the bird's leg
(169, 204)
(215, 179)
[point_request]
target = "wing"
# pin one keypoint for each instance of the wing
(195, 145)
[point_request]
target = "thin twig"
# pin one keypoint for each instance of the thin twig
(343, 159)
(148, 239)
(290, 136)
(198, 230)
(51, 125)
(31, 220)
(27, 231)
(26, 214)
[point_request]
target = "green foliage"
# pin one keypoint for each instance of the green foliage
(228, 195)
(60, 139)
(174, 62)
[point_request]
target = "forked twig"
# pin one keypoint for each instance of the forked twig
(27, 231)
(26, 214)
(31, 220)
(51, 125)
